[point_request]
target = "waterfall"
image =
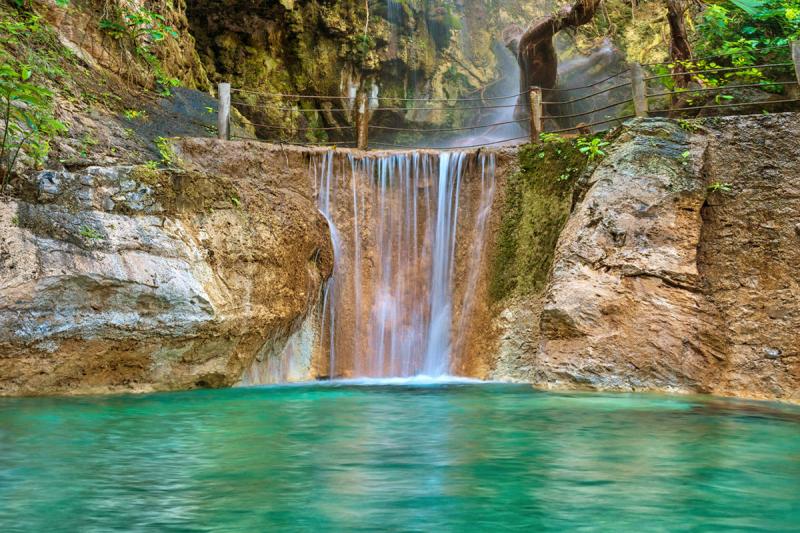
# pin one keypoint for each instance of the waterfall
(324, 189)
(395, 221)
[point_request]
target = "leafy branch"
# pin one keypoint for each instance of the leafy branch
(26, 119)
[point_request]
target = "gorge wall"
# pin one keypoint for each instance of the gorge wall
(676, 270)
(668, 265)
(129, 279)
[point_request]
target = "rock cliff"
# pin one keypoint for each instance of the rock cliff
(129, 279)
(677, 269)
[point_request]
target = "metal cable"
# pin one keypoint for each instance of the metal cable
(450, 99)
(286, 95)
(278, 107)
(741, 104)
(598, 123)
(589, 95)
(724, 69)
(716, 55)
(313, 96)
(283, 108)
(449, 147)
(629, 100)
(301, 127)
(620, 73)
(440, 108)
(448, 129)
(274, 141)
(721, 88)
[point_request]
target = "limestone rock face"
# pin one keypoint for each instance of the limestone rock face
(118, 278)
(660, 282)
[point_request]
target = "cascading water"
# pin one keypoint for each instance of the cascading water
(396, 220)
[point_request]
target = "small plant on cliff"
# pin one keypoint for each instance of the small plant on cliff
(551, 138)
(135, 114)
(143, 28)
(592, 148)
(168, 156)
(719, 186)
(90, 233)
(689, 126)
(27, 123)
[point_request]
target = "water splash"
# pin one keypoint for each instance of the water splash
(395, 221)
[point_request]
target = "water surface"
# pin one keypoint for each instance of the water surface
(417, 457)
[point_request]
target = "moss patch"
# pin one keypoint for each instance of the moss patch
(537, 204)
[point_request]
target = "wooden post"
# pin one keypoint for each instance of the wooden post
(639, 90)
(796, 59)
(224, 111)
(362, 119)
(535, 97)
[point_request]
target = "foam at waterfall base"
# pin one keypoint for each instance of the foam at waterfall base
(409, 381)
(444, 379)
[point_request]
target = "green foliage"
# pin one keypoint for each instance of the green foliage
(90, 233)
(142, 25)
(87, 142)
(689, 126)
(22, 3)
(740, 30)
(551, 138)
(592, 147)
(27, 122)
(168, 156)
(719, 186)
(143, 28)
(134, 114)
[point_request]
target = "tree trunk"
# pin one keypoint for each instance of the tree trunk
(679, 50)
(535, 51)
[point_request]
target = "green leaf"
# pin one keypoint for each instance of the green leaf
(751, 7)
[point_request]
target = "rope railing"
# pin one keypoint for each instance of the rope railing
(738, 104)
(685, 92)
(465, 128)
(721, 69)
(301, 128)
(400, 98)
(586, 97)
(543, 116)
(591, 111)
(443, 147)
(293, 143)
(598, 82)
(591, 124)
(715, 56)
(278, 107)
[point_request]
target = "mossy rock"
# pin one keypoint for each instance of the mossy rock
(538, 201)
